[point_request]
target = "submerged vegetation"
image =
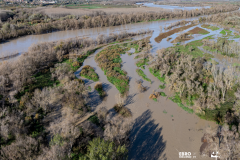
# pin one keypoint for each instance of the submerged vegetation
(200, 86)
(109, 60)
(143, 75)
(99, 88)
(213, 28)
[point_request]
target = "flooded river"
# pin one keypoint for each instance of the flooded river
(23, 43)
(161, 129)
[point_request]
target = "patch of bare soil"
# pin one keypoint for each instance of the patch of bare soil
(182, 38)
(187, 36)
(198, 30)
(169, 33)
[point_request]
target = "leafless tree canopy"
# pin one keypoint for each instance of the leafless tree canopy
(23, 20)
(41, 103)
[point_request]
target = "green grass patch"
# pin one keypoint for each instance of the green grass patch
(138, 56)
(236, 64)
(220, 111)
(112, 69)
(236, 35)
(164, 111)
(157, 74)
(162, 86)
(192, 49)
(157, 20)
(143, 75)
(114, 42)
(209, 37)
(163, 94)
(94, 119)
(176, 99)
(89, 73)
(44, 78)
(226, 32)
(213, 28)
(142, 62)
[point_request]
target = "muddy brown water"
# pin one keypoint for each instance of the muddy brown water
(155, 135)
(23, 43)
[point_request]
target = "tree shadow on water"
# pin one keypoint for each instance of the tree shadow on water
(146, 141)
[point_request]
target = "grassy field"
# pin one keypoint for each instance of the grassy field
(192, 49)
(213, 28)
(96, 6)
(226, 32)
(142, 62)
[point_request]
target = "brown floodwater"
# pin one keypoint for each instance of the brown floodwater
(161, 129)
(23, 43)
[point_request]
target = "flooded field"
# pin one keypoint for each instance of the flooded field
(156, 134)
(171, 7)
(160, 131)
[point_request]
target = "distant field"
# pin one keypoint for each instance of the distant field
(96, 6)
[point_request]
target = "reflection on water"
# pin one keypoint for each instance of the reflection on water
(171, 7)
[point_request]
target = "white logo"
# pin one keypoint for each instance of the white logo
(185, 155)
(215, 155)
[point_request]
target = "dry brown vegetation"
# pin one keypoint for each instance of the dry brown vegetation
(47, 100)
(38, 21)
(140, 87)
(182, 37)
(211, 91)
(198, 30)
(225, 140)
(120, 106)
(226, 20)
(89, 73)
(179, 23)
(161, 36)
(154, 95)
(188, 35)
(122, 110)
(197, 82)
(223, 46)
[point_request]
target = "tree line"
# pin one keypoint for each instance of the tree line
(24, 22)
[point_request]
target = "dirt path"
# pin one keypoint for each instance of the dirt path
(85, 118)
